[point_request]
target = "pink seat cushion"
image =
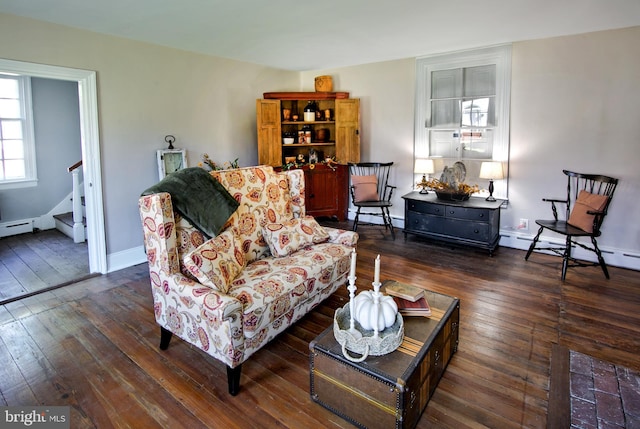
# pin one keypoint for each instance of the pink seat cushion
(586, 202)
(365, 188)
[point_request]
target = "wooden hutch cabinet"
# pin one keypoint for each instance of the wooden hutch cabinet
(334, 133)
(327, 190)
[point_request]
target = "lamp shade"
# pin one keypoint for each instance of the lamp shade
(491, 170)
(423, 166)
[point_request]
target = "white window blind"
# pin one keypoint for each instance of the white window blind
(462, 108)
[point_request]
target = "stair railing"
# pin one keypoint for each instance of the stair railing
(78, 216)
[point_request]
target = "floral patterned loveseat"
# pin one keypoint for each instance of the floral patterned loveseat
(268, 266)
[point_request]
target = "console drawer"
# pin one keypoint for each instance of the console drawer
(478, 231)
(480, 215)
(428, 223)
(422, 207)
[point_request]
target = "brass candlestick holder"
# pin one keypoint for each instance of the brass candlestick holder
(424, 184)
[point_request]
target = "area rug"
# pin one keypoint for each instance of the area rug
(588, 393)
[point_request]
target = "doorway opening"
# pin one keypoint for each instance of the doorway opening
(90, 146)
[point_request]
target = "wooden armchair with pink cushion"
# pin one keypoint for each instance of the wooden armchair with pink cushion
(586, 204)
(231, 290)
(371, 191)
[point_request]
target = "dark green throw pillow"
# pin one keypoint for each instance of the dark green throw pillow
(200, 198)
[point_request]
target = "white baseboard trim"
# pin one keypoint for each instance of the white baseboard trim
(376, 220)
(613, 257)
(126, 258)
(16, 227)
(45, 222)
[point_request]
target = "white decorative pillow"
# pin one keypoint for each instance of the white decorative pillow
(218, 261)
(286, 237)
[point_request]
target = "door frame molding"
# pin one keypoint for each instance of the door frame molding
(90, 142)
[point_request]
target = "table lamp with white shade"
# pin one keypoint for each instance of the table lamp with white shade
(423, 166)
(491, 170)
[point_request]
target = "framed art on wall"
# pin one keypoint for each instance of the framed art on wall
(170, 161)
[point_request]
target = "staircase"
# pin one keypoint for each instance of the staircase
(74, 224)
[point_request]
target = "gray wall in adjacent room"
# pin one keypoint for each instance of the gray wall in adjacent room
(57, 141)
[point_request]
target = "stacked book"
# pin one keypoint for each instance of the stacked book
(410, 299)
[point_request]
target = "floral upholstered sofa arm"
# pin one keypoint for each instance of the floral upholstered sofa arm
(175, 294)
(199, 315)
(180, 291)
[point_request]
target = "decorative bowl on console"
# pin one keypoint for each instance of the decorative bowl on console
(457, 192)
(451, 186)
(452, 196)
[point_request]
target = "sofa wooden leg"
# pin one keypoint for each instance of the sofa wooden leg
(165, 337)
(233, 378)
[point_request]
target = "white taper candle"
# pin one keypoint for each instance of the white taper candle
(352, 273)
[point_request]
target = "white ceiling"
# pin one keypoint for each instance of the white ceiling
(319, 34)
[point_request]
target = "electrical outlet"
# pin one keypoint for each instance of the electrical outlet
(524, 224)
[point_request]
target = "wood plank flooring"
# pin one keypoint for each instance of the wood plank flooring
(94, 345)
(37, 261)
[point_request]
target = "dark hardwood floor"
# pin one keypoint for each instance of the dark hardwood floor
(37, 261)
(94, 345)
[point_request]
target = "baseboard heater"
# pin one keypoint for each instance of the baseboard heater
(15, 228)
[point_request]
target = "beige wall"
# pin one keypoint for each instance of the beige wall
(144, 93)
(574, 105)
(386, 93)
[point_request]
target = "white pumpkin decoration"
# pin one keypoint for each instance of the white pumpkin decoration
(365, 311)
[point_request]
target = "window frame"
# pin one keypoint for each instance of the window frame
(28, 140)
(500, 56)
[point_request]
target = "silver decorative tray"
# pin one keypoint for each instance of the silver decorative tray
(367, 344)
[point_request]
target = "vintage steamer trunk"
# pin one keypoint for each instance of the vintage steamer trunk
(390, 390)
